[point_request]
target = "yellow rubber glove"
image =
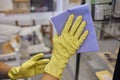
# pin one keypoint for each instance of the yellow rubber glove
(30, 68)
(65, 45)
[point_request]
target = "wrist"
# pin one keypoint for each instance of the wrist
(56, 67)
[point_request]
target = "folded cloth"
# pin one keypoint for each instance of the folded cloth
(59, 20)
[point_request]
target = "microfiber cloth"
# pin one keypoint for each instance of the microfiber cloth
(58, 21)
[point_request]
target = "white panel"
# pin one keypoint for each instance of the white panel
(6, 5)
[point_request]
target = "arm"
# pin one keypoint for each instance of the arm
(64, 46)
(4, 68)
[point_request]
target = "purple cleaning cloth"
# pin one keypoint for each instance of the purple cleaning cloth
(58, 21)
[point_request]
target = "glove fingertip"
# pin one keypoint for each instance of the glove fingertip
(38, 56)
(42, 54)
(43, 61)
(86, 32)
(71, 16)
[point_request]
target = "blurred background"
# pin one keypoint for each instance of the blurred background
(26, 30)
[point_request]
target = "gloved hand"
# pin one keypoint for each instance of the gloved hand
(65, 45)
(30, 68)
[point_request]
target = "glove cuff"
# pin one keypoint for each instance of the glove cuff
(55, 68)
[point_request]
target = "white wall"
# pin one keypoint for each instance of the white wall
(6, 5)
